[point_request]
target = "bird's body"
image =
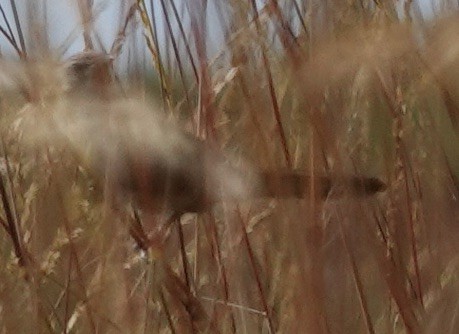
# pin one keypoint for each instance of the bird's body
(161, 166)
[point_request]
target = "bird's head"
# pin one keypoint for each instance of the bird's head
(90, 72)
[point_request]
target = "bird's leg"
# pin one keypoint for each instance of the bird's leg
(154, 240)
(137, 232)
(176, 218)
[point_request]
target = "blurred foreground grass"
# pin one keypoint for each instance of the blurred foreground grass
(337, 88)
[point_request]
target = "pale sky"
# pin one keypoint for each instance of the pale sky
(63, 19)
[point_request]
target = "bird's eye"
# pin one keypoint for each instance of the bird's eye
(80, 67)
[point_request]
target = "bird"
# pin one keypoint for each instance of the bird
(158, 165)
(90, 73)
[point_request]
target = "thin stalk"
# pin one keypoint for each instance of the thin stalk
(177, 55)
(256, 274)
(166, 311)
(221, 267)
(5, 18)
(165, 88)
(185, 40)
(11, 41)
(357, 279)
(23, 53)
(272, 91)
(152, 45)
(401, 151)
(183, 253)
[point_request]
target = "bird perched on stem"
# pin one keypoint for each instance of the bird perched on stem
(161, 166)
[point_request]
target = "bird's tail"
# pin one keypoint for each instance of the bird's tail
(299, 184)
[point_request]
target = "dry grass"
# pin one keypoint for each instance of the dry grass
(344, 88)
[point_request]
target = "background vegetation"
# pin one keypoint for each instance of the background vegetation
(331, 87)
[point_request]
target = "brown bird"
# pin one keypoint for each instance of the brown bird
(90, 74)
(165, 168)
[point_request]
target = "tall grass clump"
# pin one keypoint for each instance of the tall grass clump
(366, 88)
